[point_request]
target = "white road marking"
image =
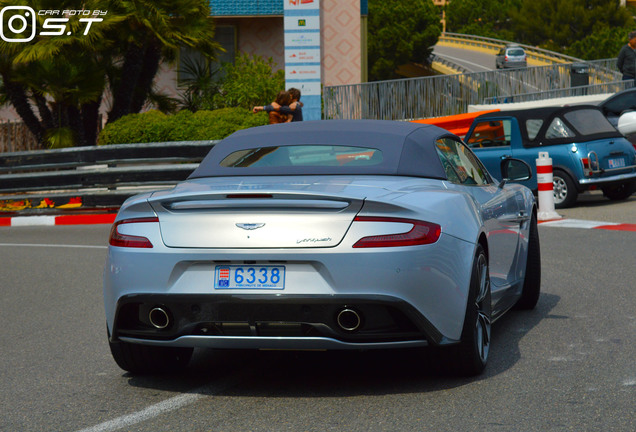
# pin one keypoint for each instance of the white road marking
(152, 411)
(174, 403)
(629, 382)
(576, 223)
(52, 245)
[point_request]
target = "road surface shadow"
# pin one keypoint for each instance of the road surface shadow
(343, 373)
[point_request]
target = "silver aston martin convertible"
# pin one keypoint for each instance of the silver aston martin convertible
(335, 234)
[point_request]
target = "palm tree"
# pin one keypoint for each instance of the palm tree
(58, 83)
(155, 31)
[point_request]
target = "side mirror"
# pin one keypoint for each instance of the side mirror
(627, 123)
(514, 170)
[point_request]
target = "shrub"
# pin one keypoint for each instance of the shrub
(154, 126)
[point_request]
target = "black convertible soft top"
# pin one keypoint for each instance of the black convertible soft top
(587, 122)
(408, 149)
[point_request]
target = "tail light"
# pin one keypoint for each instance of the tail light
(587, 169)
(126, 240)
(421, 233)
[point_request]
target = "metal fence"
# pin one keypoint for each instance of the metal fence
(536, 56)
(436, 96)
(16, 136)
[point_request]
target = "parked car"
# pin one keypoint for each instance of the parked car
(586, 150)
(620, 110)
(619, 103)
(342, 234)
(511, 56)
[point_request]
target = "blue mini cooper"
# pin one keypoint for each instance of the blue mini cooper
(587, 151)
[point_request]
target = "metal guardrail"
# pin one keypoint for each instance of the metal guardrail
(435, 96)
(537, 56)
(97, 176)
(593, 89)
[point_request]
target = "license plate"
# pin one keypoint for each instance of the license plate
(616, 163)
(249, 277)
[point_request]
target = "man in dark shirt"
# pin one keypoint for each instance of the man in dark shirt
(295, 108)
(626, 61)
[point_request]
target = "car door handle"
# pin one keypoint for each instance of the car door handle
(519, 218)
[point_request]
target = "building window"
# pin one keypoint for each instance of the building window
(190, 59)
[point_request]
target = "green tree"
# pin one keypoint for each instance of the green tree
(488, 18)
(604, 42)
(250, 81)
(57, 83)
(399, 33)
(559, 25)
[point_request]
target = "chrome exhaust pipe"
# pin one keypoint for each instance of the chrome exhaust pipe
(349, 320)
(159, 318)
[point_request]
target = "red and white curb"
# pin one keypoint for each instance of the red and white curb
(586, 224)
(76, 219)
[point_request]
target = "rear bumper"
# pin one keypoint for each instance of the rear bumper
(609, 179)
(273, 322)
(510, 65)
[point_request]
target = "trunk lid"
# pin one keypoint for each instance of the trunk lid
(615, 157)
(260, 212)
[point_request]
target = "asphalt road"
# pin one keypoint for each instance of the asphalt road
(569, 365)
(472, 60)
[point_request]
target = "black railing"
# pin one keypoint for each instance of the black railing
(92, 177)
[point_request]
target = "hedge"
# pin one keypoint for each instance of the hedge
(154, 126)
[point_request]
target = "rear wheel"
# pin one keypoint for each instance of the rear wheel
(469, 358)
(565, 192)
(532, 281)
(621, 191)
(145, 359)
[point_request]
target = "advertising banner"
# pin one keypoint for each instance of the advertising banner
(302, 53)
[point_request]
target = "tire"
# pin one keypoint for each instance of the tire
(620, 192)
(470, 356)
(565, 192)
(532, 282)
(149, 359)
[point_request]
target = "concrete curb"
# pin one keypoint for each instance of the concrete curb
(75, 219)
(587, 224)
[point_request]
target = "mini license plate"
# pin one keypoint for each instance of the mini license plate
(616, 163)
(249, 277)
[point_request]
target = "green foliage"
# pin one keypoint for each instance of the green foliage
(488, 18)
(248, 82)
(154, 126)
(604, 42)
(58, 82)
(400, 33)
(587, 29)
(60, 138)
(201, 84)
(572, 23)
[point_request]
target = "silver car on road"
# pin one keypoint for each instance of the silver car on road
(343, 234)
(511, 56)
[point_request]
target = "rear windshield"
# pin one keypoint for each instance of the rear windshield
(303, 156)
(589, 122)
(516, 52)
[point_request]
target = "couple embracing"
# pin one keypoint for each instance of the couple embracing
(287, 107)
